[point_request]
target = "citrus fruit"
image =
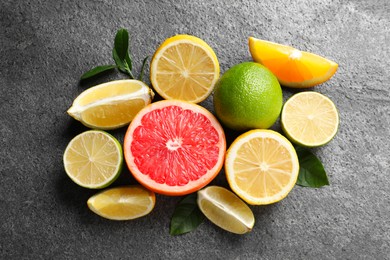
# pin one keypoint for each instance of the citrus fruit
(261, 166)
(174, 147)
(93, 159)
(225, 209)
(292, 67)
(111, 105)
(248, 96)
(309, 119)
(123, 203)
(184, 67)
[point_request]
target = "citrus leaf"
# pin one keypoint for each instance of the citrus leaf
(118, 61)
(141, 75)
(97, 70)
(187, 216)
(311, 171)
(121, 43)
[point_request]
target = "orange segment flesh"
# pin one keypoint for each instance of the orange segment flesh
(293, 68)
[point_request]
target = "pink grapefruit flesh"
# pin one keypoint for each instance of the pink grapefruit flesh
(174, 147)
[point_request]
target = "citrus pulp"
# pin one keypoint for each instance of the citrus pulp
(174, 147)
(184, 67)
(309, 119)
(93, 159)
(292, 67)
(261, 166)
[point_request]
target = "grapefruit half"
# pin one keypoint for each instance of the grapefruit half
(174, 147)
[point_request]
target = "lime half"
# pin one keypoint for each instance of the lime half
(309, 119)
(93, 159)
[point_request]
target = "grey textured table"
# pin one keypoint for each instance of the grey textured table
(46, 45)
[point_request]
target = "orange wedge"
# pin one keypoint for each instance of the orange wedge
(292, 67)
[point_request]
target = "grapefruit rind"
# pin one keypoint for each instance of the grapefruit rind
(163, 188)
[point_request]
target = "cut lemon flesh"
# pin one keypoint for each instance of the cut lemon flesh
(184, 67)
(93, 159)
(309, 119)
(123, 203)
(292, 67)
(111, 105)
(261, 167)
(225, 209)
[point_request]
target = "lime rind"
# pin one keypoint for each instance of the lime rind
(301, 142)
(108, 181)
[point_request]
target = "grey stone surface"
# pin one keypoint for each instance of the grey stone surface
(46, 45)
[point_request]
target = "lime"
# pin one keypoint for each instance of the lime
(248, 96)
(310, 119)
(225, 209)
(93, 159)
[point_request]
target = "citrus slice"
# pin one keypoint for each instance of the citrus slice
(261, 167)
(292, 67)
(93, 159)
(309, 119)
(225, 209)
(184, 67)
(111, 105)
(123, 203)
(174, 147)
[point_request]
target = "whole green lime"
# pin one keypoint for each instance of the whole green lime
(248, 96)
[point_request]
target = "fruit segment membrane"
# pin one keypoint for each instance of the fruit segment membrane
(266, 159)
(174, 145)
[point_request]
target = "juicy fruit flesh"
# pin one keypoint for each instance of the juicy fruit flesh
(185, 72)
(111, 105)
(292, 67)
(225, 209)
(310, 119)
(91, 159)
(122, 203)
(113, 114)
(260, 167)
(109, 90)
(175, 145)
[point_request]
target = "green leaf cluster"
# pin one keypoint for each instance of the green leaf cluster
(122, 58)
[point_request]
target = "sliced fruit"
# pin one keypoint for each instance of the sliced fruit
(184, 67)
(310, 119)
(225, 209)
(111, 105)
(93, 159)
(292, 67)
(123, 203)
(174, 147)
(261, 167)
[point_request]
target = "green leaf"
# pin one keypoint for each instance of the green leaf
(187, 216)
(97, 70)
(118, 61)
(311, 171)
(141, 75)
(121, 43)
